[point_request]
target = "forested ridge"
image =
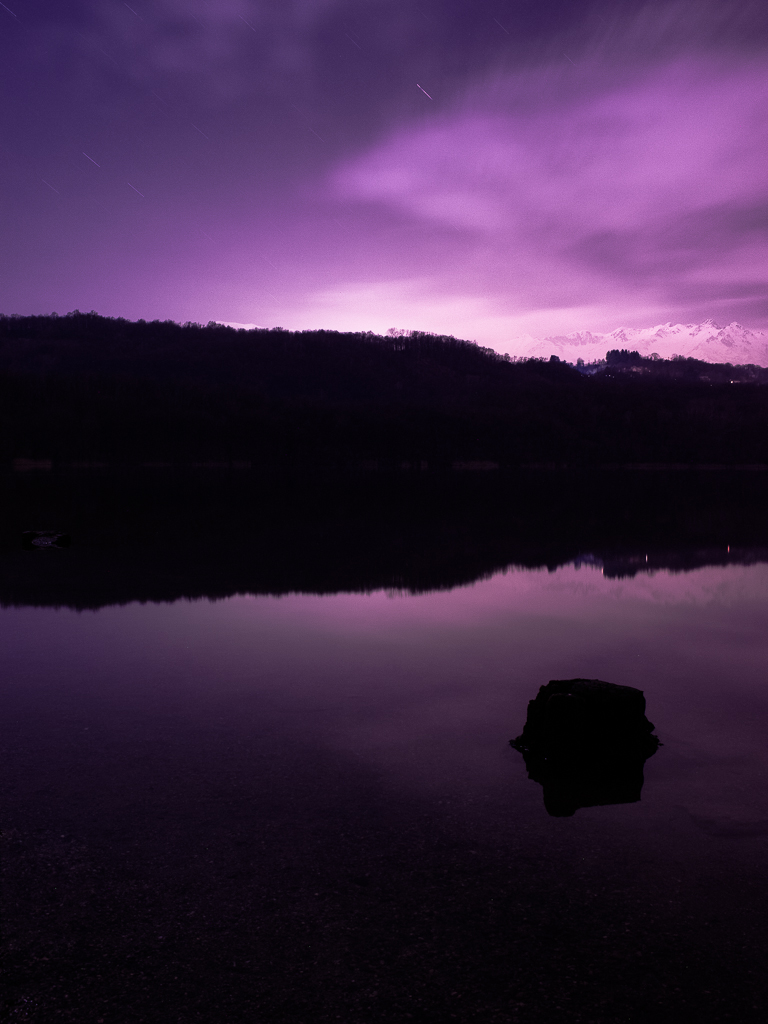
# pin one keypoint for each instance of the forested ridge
(89, 389)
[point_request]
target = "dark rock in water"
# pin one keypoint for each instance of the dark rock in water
(45, 539)
(585, 742)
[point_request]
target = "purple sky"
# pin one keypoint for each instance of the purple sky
(483, 168)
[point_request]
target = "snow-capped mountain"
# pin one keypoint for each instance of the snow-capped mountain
(237, 326)
(732, 344)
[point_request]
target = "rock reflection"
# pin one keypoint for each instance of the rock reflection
(586, 741)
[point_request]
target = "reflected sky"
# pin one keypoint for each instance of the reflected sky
(307, 807)
(427, 689)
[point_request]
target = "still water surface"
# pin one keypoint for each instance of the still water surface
(338, 768)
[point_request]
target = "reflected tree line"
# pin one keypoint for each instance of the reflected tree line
(160, 535)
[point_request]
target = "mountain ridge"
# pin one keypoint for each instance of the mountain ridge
(706, 341)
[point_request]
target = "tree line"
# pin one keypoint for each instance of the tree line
(91, 389)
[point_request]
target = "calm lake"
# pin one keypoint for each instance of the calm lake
(305, 807)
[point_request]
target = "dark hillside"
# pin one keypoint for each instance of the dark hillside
(84, 388)
(309, 365)
(623, 363)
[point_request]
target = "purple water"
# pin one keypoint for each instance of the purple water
(326, 784)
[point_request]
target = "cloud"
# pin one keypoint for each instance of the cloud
(642, 184)
(408, 303)
(580, 165)
(209, 50)
(426, 304)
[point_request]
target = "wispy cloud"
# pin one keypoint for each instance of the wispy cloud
(644, 189)
(575, 165)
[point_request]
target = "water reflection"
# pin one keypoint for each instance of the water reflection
(144, 537)
(232, 795)
(586, 741)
